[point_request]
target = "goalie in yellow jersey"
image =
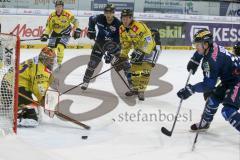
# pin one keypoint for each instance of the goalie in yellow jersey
(59, 26)
(136, 35)
(35, 76)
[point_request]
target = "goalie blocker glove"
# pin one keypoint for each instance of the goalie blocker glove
(77, 33)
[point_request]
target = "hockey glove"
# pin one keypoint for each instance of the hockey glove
(185, 92)
(120, 63)
(77, 33)
(44, 38)
(137, 56)
(108, 58)
(91, 34)
(192, 65)
(112, 48)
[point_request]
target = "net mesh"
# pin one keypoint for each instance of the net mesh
(8, 60)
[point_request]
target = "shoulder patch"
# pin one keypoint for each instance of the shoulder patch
(67, 14)
(148, 39)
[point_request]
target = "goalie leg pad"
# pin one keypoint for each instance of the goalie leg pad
(28, 117)
(23, 101)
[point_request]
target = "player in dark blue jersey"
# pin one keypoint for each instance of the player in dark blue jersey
(217, 63)
(108, 30)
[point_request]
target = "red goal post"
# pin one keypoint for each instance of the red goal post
(9, 70)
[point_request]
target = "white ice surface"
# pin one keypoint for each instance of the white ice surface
(109, 140)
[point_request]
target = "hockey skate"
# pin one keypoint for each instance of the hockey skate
(204, 126)
(84, 86)
(141, 96)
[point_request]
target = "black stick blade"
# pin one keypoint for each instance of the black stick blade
(166, 132)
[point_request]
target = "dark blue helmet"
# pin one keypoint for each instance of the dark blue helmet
(236, 49)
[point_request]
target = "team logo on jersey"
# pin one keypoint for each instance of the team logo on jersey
(206, 69)
(41, 89)
(135, 28)
(133, 35)
(112, 28)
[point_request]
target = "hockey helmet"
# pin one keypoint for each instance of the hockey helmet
(236, 49)
(126, 12)
(59, 2)
(203, 36)
(109, 8)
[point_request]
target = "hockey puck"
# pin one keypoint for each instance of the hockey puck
(84, 137)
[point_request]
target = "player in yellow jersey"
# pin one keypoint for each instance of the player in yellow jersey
(137, 36)
(59, 26)
(35, 76)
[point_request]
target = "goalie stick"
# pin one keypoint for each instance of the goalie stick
(165, 130)
(59, 114)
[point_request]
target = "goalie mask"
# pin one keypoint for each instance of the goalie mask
(47, 57)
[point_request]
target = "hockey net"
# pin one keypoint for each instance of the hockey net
(9, 62)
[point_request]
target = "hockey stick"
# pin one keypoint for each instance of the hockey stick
(114, 67)
(163, 129)
(201, 120)
(197, 133)
(89, 79)
(34, 39)
(58, 113)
